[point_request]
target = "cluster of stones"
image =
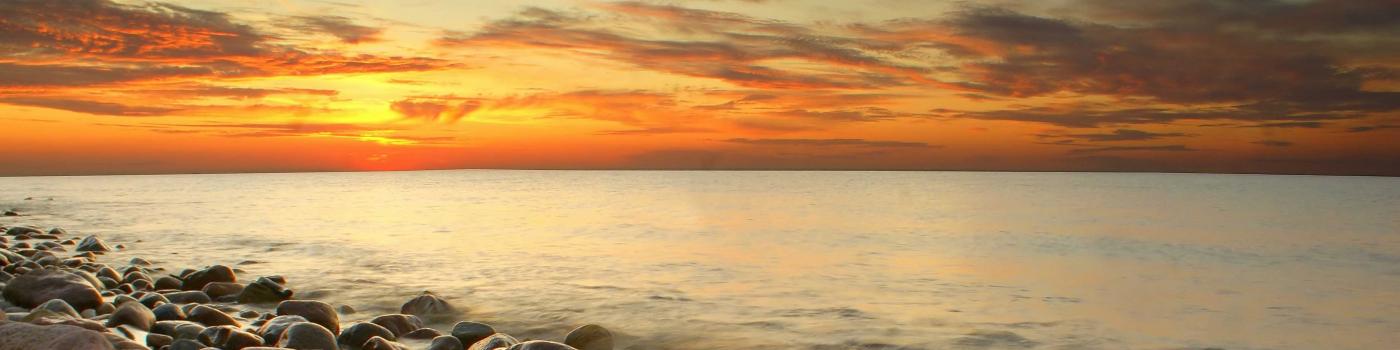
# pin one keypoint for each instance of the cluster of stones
(57, 295)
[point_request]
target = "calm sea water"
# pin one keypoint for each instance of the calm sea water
(795, 260)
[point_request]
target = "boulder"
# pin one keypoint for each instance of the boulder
(93, 244)
(498, 340)
(399, 324)
(471, 332)
(541, 345)
(427, 305)
(188, 297)
(273, 328)
(132, 314)
(38, 286)
(307, 336)
(590, 337)
(264, 290)
(209, 316)
(379, 343)
(314, 311)
(24, 336)
(228, 338)
(355, 336)
(446, 342)
(217, 290)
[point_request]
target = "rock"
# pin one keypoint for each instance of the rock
(169, 312)
(186, 344)
(315, 311)
(11, 213)
(264, 290)
(249, 314)
(135, 276)
(427, 305)
(209, 316)
(446, 342)
(307, 336)
(93, 244)
(272, 329)
(156, 341)
(498, 340)
(471, 332)
(153, 300)
(178, 329)
(355, 336)
(590, 337)
(379, 343)
(22, 230)
(167, 282)
(346, 310)
(24, 336)
(422, 334)
(106, 308)
(398, 323)
(541, 345)
(220, 289)
(228, 338)
(53, 314)
(38, 286)
(58, 306)
(188, 297)
(132, 314)
(217, 273)
(139, 262)
(108, 283)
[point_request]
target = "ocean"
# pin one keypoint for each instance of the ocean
(793, 260)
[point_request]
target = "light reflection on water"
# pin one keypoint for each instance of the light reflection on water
(819, 260)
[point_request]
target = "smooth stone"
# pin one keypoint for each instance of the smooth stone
(590, 337)
(355, 336)
(167, 282)
(541, 345)
(188, 297)
(156, 341)
(58, 306)
(24, 336)
(427, 305)
(229, 338)
(132, 314)
(153, 299)
(446, 342)
(106, 308)
(471, 332)
(307, 336)
(217, 273)
(422, 334)
(45, 317)
(398, 323)
(220, 289)
(168, 327)
(263, 290)
(186, 344)
(108, 272)
(38, 286)
(169, 312)
(108, 283)
(315, 311)
(498, 340)
(134, 276)
(209, 316)
(139, 262)
(93, 244)
(272, 329)
(346, 310)
(380, 343)
(22, 230)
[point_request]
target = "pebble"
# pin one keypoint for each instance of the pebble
(427, 305)
(314, 311)
(446, 342)
(217, 273)
(307, 336)
(355, 336)
(471, 332)
(399, 324)
(38, 286)
(590, 337)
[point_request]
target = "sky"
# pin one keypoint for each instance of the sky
(1251, 86)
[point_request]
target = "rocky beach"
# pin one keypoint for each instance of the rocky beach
(60, 292)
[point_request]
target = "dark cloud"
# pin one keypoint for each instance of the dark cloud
(1308, 125)
(88, 107)
(1273, 143)
(1092, 118)
(829, 142)
(1162, 148)
(1116, 135)
(341, 27)
(1365, 128)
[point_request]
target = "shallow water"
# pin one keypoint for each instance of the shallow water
(795, 260)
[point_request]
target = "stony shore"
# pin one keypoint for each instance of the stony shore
(59, 293)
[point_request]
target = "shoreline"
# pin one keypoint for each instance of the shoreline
(61, 290)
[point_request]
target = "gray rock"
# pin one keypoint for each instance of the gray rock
(471, 332)
(209, 316)
(355, 336)
(38, 286)
(498, 340)
(93, 244)
(24, 336)
(427, 305)
(399, 324)
(132, 314)
(315, 311)
(228, 338)
(273, 328)
(590, 337)
(217, 273)
(446, 342)
(541, 345)
(307, 336)
(264, 290)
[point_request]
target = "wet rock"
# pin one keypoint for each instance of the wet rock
(228, 338)
(106, 308)
(188, 297)
(590, 337)
(471, 332)
(108, 272)
(23, 336)
(346, 310)
(38, 286)
(264, 290)
(11, 213)
(59, 313)
(57, 231)
(139, 262)
(169, 312)
(22, 230)
(217, 273)
(422, 334)
(217, 290)
(156, 341)
(307, 336)
(355, 336)
(541, 345)
(272, 329)
(398, 323)
(498, 340)
(153, 299)
(446, 342)
(108, 282)
(93, 244)
(315, 311)
(167, 282)
(380, 343)
(427, 305)
(132, 314)
(249, 314)
(186, 344)
(135, 276)
(178, 329)
(209, 316)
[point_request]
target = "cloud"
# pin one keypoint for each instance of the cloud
(341, 27)
(830, 142)
(435, 110)
(1366, 128)
(656, 131)
(88, 107)
(1116, 135)
(1309, 125)
(1162, 148)
(1273, 143)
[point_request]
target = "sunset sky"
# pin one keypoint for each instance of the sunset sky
(1259, 86)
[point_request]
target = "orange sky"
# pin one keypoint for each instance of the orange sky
(1272, 86)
